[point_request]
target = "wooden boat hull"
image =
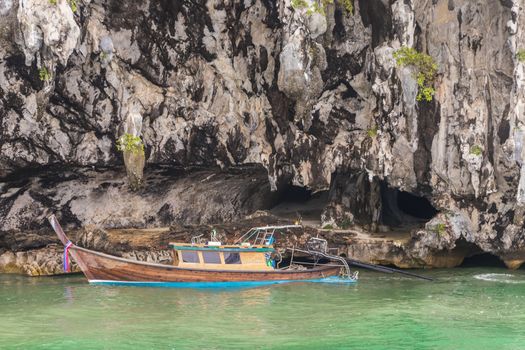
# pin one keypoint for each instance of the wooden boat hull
(103, 269)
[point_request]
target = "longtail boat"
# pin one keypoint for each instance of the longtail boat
(204, 264)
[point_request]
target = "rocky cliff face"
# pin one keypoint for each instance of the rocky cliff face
(314, 99)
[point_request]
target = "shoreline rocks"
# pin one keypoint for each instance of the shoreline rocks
(401, 249)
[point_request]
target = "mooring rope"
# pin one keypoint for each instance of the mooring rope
(66, 256)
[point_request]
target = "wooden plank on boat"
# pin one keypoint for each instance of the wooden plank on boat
(101, 266)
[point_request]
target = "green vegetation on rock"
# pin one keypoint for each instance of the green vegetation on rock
(299, 4)
(328, 227)
(319, 6)
(130, 143)
(348, 5)
(476, 150)
(426, 69)
(372, 132)
(520, 55)
(73, 4)
(439, 229)
(103, 55)
(44, 74)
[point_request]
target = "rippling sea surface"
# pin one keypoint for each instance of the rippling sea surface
(468, 308)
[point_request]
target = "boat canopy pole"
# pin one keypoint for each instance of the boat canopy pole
(268, 230)
(275, 227)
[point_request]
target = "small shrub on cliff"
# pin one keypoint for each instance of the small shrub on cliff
(44, 74)
(130, 143)
(476, 150)
(439, 229)
(319, 6)
(299, 4)
(372, 132)
(520, 55)
(348, 5)
(73, 4)
(426, 70)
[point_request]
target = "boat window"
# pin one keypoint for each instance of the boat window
(190, 257)
(232, 258)
(211, 257)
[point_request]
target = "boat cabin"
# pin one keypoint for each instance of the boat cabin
(252, 251)
(222, 257)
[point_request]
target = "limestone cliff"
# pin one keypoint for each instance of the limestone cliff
(314, 100)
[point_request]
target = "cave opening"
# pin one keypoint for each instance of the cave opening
(295, 194)
(483, 260)
(400, 208)
(475, 256)
(297, 202)
(418, 207)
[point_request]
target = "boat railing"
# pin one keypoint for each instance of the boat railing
(319, 254)
(197, 239)
(263, 235)
(318, 248)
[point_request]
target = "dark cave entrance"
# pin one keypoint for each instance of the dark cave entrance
(475, 256)
(375, 205)
(418, 207)
(483, 260)
(370, 201)
(297, 202)
(399, 208)
(295, 194)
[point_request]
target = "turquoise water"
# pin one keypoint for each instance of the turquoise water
(469, 308)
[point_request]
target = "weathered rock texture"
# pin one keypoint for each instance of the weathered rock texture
(102, 198)
(314, 100)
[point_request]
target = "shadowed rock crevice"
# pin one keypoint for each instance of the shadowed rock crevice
(353, 198)
(80, 197)
(378, 15)
(371, 202)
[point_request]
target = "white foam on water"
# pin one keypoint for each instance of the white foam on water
(500, 277)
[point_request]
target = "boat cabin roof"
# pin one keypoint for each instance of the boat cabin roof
(222, 248)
